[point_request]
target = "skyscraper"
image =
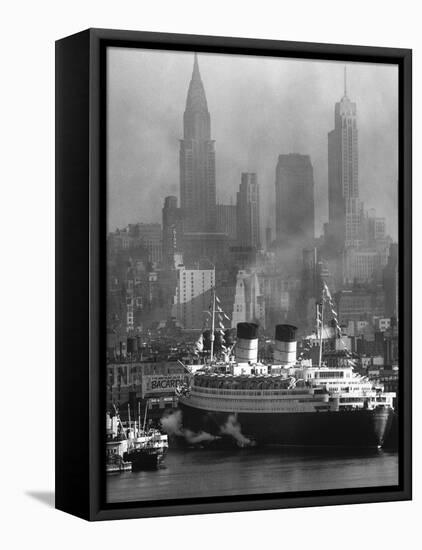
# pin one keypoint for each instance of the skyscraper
(197, 160)
(294, 192)
(248, 222)
(227, 219)
(374, 228)
(344, 206)
(193, 296)
(249, 303)
(391, 282)
(172, 231)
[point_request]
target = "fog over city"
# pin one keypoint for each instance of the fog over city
(260, 108)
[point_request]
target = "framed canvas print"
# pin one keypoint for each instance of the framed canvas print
(233, 274)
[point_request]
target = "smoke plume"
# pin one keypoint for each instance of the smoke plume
(233, 428)
(173, 425)
(192, 437)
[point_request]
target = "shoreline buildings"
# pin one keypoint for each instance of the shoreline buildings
(193, 295)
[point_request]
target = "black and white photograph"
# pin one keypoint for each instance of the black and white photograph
(208, 312)
(252, 275)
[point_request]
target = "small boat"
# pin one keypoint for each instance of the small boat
(147, 451)
(116, 464)
(115, 448)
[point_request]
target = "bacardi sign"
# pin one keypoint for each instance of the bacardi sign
(156, 384)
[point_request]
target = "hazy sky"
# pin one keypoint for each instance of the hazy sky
(260, 107)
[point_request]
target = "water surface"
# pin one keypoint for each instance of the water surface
(201, 472)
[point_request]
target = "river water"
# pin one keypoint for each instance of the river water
(205, 473)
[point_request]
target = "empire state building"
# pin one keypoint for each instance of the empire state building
(345, 207)
(197, 161)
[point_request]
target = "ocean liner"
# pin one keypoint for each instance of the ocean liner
(290, 402)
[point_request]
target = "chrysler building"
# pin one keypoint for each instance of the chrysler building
(197, 161)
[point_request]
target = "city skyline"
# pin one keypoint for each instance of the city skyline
(134, 175)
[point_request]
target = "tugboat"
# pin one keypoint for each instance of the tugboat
(148, 451)
(290, 401)
(146, 448)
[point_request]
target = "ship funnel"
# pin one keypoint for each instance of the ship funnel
(247, 343)
(285, 345)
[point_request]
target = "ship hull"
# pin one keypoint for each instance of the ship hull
(354, 428)
(145, 460)
(113, 468)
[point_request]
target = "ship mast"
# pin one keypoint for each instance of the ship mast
(139, 417)
(212, 325)
(321, 325)
(145, 417)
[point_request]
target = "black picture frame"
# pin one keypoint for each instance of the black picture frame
(80, 271)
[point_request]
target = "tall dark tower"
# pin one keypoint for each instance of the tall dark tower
(344, 206)
(248, 222)
(197, 161)
(294, 201)
(172, 231)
